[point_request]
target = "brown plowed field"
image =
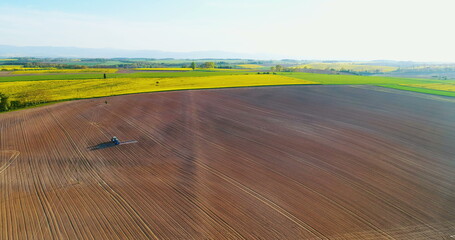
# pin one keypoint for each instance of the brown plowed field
(310, 162)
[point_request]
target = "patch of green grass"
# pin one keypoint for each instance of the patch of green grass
(421, 90)
(388, 82)
(354, 79)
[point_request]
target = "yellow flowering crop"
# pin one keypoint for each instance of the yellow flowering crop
(52, 90)
(10, 67)
(87, 70)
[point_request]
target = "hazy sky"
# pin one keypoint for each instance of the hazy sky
(420, 30)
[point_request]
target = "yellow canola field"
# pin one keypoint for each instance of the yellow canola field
(164, 69)
(10, 67)
(21, 68)
(435, 86)
(87, 70)
(51, 90)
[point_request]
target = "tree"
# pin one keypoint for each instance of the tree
(279, 68)
(273, 69)
(4, 102)
(193, 65)
(15, 105)
(208, 65)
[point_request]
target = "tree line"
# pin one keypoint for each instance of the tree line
(51, 65)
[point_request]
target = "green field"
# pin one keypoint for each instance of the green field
(429, 86)
(354, 79)
(422, 89)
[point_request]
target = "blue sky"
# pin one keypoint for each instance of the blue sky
(304, 29)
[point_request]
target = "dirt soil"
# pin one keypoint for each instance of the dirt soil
(310, 162)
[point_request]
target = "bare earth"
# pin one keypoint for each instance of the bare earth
(312, 162)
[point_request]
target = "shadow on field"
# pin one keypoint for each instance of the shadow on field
(101, 146)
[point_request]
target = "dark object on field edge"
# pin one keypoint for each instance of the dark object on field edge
(112, 143)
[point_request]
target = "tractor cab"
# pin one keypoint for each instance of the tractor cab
(115, 140)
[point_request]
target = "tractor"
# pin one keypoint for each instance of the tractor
(115, 140)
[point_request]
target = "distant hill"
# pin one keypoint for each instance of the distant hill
(74, 52)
